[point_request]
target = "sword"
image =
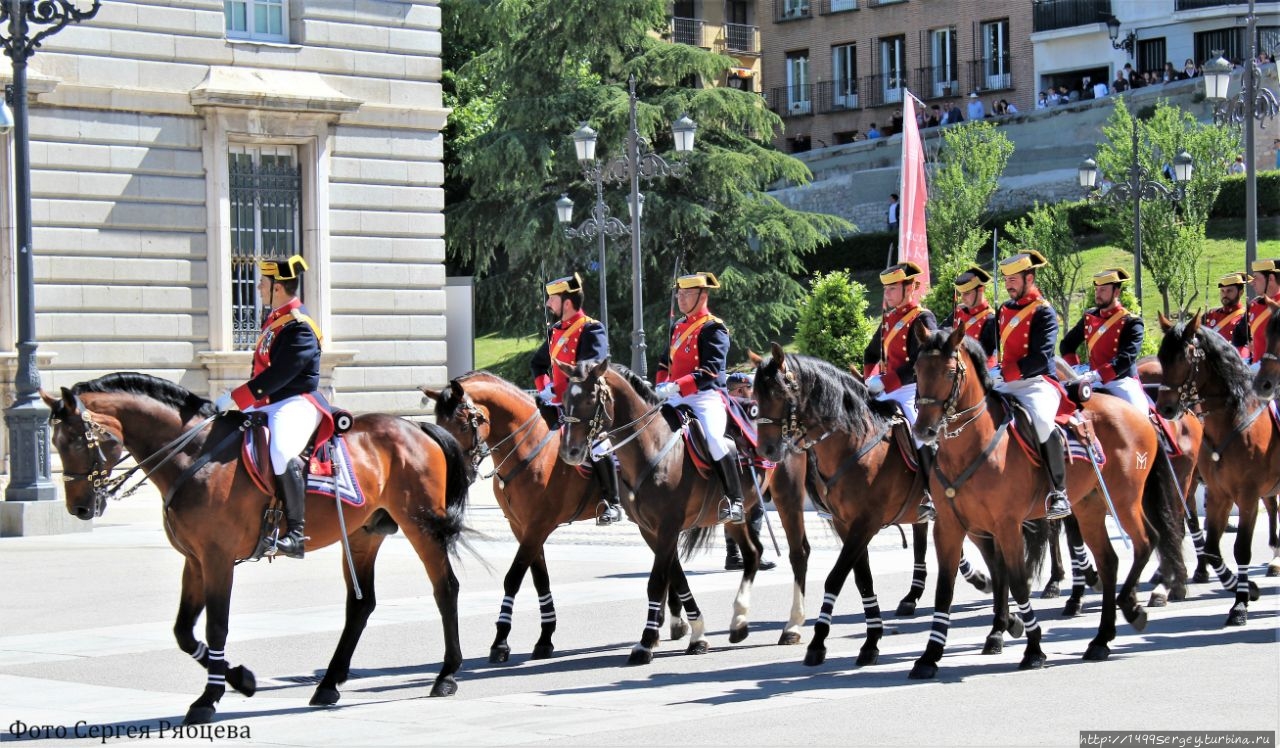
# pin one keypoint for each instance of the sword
(342, 524)
(755, 479)
(1093, 462)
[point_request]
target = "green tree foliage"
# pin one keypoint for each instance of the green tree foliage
(1172, 233)
(545, 68)
(1045, 230)
(833, 324)
(972, 158)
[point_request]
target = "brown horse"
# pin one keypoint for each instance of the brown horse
(987, 486)
(663, 492)
(491, 417)
(810, 406)
(213, 512)
(1241, 457)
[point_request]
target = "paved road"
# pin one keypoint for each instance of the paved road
(85, 634)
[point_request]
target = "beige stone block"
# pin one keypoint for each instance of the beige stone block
(381, 274)
(170, 76)
(394, 249)
(414, 94)
(145, 45)
(390, 197)
(179, 21)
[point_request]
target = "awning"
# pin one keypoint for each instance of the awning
(741, 72)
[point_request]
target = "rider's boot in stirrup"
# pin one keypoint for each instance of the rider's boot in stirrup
(731, 508)
(1054, 453)
(925, 512)
(606, 472)
(293, 490)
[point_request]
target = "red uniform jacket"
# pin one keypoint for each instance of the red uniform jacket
(286, 358)
(1028, 337)
(578, 338)
(1253, 336)
(1225, 319)
(698, 354)
(1113, 338)
(979, 323)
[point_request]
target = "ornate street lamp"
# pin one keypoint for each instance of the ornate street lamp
(1254, 102)
(28, 24)
(1137, 187)
(637, 163)
(1127, 43)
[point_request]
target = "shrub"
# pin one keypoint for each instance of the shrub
(834, 325)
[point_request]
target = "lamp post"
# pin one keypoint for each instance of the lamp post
(1252, 103)
(1138, 187)
(1129, 41)
(636, 163)
(24, 25)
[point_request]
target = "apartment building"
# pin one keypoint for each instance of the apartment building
(831, 68)
(728, 27)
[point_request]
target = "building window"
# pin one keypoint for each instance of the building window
(266, 220)
(844, 67)
(893, 67)
(261, 20)
(1151, 54)
(995, 54)
(799, 98)
(944, 77)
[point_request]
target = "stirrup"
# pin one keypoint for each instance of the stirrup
(608, 514)
(926, 513)
(731, 511)
(1056, 505)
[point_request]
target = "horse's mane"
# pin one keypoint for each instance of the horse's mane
(1223, 360)
(447, 404)
(637, 382)
(937, 341)
(1273, 328)
(835, 396)
(161, 390)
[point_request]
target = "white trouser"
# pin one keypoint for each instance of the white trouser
(905, 396)
(1040, 398)
(1128, 389)
(292, 422)
(711, 413)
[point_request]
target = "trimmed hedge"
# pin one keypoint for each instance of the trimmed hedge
(1231, 204)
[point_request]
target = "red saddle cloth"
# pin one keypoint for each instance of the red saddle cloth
(255, 453)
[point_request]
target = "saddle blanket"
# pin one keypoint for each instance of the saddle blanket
(328, 472)
(1077, 452)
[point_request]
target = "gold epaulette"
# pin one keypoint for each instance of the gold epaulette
(298, 316)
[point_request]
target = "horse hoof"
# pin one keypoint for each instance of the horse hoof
(640, 656)
(906, 608)
(325, 696)
(242, 680)
(445, 686)
(543, 651)
(1254, 594)
(1072, 608)
(1015, 627)
(868, 657)
(923, 671)
(1139, 620)
(994, 645)
(1158, 600)
(1178, 593)
(1051, 591)
(199, 715)
(1238, 616)
(737, 635)
(679, 630)
(697, 648)
(1200, 577)
(789, 638)
(1273, 569)
(815, 656)
(499, 654)
(1031, 662)
(1097, 652)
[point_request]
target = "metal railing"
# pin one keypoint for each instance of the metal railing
(1061, 14)
(882, 89)
(1198, 4)
(691, 31)
(836, 96)
(791, 101)
(740, 37)
(937, 82)
(837, 6)
(791, 10)
(990, 74)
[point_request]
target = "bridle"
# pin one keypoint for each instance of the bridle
(601, 418)
(957, 372)
(1188, 393)
(480, 449)
(794, 434)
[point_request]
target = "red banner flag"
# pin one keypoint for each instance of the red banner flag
(913, 244)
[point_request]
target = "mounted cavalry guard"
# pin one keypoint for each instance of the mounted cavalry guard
(572, 338)
(692, 372)
(1226, 319)
(1028, 337)
(1113, 338)
(1253, 335)
(284, 387)
(973, 313)
(894, 349)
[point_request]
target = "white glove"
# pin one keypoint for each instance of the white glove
(996, 374)
(546, 395)
(224, 402)
(1092, 377)
(875, 385)
(667, 390)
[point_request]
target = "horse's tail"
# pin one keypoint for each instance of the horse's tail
(1163, 512)
(696, 539)
(458, 477)
(1037, 534)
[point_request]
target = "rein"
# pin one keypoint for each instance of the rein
(1189, 397)
(794, 434)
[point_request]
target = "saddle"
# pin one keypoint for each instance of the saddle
(1072, 419)
(318, 457)
(739, 428)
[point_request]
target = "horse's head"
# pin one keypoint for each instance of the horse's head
(1266, 383)
(90, 445)
(587, 410)
(1181, 364)
(464, 419)
(951, 379)
(777, 391)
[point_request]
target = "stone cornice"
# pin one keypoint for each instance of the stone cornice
(279, 90)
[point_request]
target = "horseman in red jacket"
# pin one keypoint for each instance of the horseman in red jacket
(1253, 334)
(973, 313)
(1113, 338)
(1226, 319)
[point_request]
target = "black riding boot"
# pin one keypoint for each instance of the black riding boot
(732, 556)
(925, 512)
(292, 488)
(1054, 453)
(731, 509)
(606, 472)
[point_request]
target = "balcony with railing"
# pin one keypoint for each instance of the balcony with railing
(691, 31)
(836, 96)
(991, 74)
(937, 82)
(741, 38)
(882, 89)
(791, 101)
(1202, 4)
(1047, 15)
(791, 10)
(827, 7)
